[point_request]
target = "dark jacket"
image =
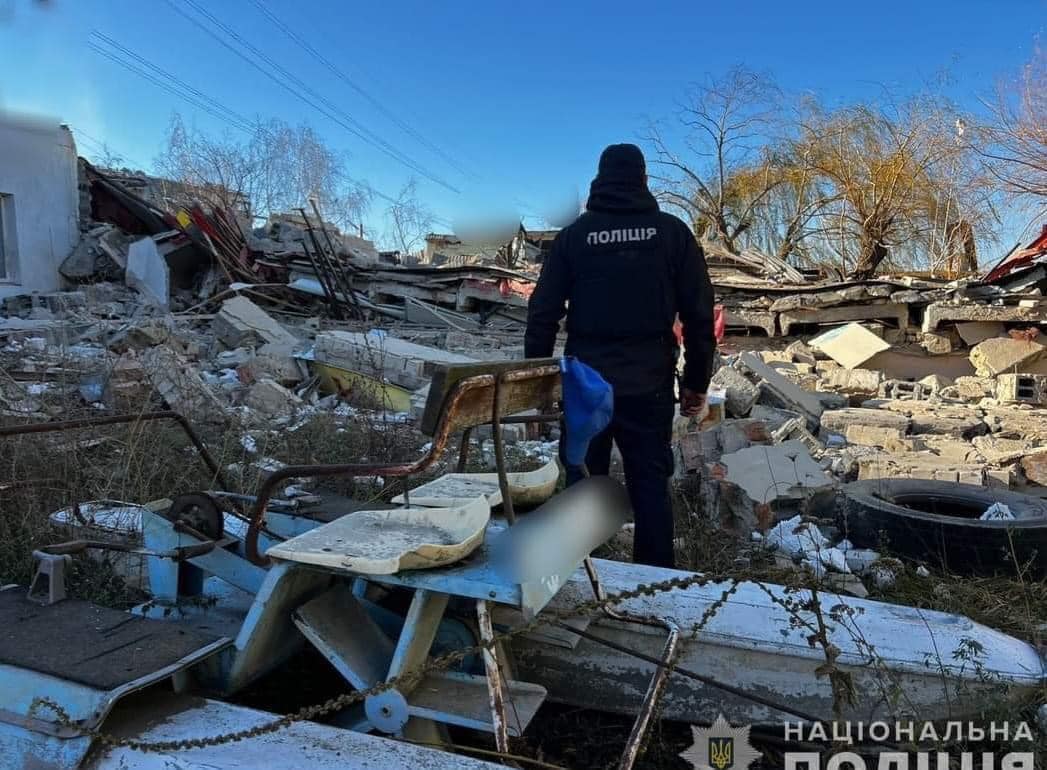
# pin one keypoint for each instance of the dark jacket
(622, 272)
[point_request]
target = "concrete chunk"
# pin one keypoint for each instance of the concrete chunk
(790, 394)
(180, 385)
(741, 394)
(999, 451)
(772, 472)
(974, 332)
(1034, 466)
(802, 353)
(147, 271)
(853, 381)
(936, 344)
(241, 323)
(1003, 354)
(377, 354)
(850, 346)
(838, 420)
(872, 435)
(1022, 388)
(271, 399)
(973, 388)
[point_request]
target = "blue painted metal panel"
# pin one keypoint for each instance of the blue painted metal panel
(476, 577)
(419, 630)
(268, 636)
(22, 690)
(22, 748)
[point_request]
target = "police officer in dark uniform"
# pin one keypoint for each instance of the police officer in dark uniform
(622, 272)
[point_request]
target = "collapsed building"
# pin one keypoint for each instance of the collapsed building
(822, 384)
(39, 218)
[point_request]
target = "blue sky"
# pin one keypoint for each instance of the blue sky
(523, 96)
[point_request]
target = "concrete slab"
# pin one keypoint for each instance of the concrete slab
(241, 322)
(938, 313)
(839, 420)
(850, 346)
(890, 311)
(973, 332)
(788, 392)
(1003, 354)
(767, 473)
(147, 271)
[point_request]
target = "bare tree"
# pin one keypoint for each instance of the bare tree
(1013, 142)
(278, 168)
(408, 220)
(723, 172)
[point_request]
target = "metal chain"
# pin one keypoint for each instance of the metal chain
(409, 678)
(708, 615)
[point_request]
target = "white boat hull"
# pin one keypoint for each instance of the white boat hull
(903, 662)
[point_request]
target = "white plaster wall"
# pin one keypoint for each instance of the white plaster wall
(38, 167)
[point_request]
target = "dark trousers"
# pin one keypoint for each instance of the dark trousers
(642, 428)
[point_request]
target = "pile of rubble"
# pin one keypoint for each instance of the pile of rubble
(106, 347)
(800, 422)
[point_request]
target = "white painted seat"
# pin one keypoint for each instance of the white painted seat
(528, 488)
(386, 542)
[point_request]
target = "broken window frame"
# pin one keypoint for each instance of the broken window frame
(8, 250)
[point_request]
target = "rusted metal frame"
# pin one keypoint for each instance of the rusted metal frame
(495, 684)
(337, 265)
(657, 683)
(651, 697)
(119, 419)
(463, 450)
(321, 277)
(439, 442)
(176, 554)
(499, 451)
(323, 264)
(441, 437)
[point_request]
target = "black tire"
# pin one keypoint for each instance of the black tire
(937, 522)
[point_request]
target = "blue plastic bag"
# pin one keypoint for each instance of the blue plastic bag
(588, 403)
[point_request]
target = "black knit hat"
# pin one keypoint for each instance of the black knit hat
(622, 162)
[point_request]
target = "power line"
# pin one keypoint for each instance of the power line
(127, 52)
(375, 102)
(326, 108)
(207, 103)
(167, 87)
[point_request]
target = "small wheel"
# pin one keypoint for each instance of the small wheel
(387, 711)
(198, 511)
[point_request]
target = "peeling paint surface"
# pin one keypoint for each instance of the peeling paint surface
(895, 654)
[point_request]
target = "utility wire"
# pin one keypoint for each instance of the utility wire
(172, 84)
(374, 101)
(167, 87)
(304, 91)
(127, 52)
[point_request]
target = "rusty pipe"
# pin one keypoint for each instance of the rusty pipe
(119, 419)
(177, 554)
(499, 451)
(651, 697)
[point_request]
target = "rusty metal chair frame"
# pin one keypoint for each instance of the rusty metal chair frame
(463, 396)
